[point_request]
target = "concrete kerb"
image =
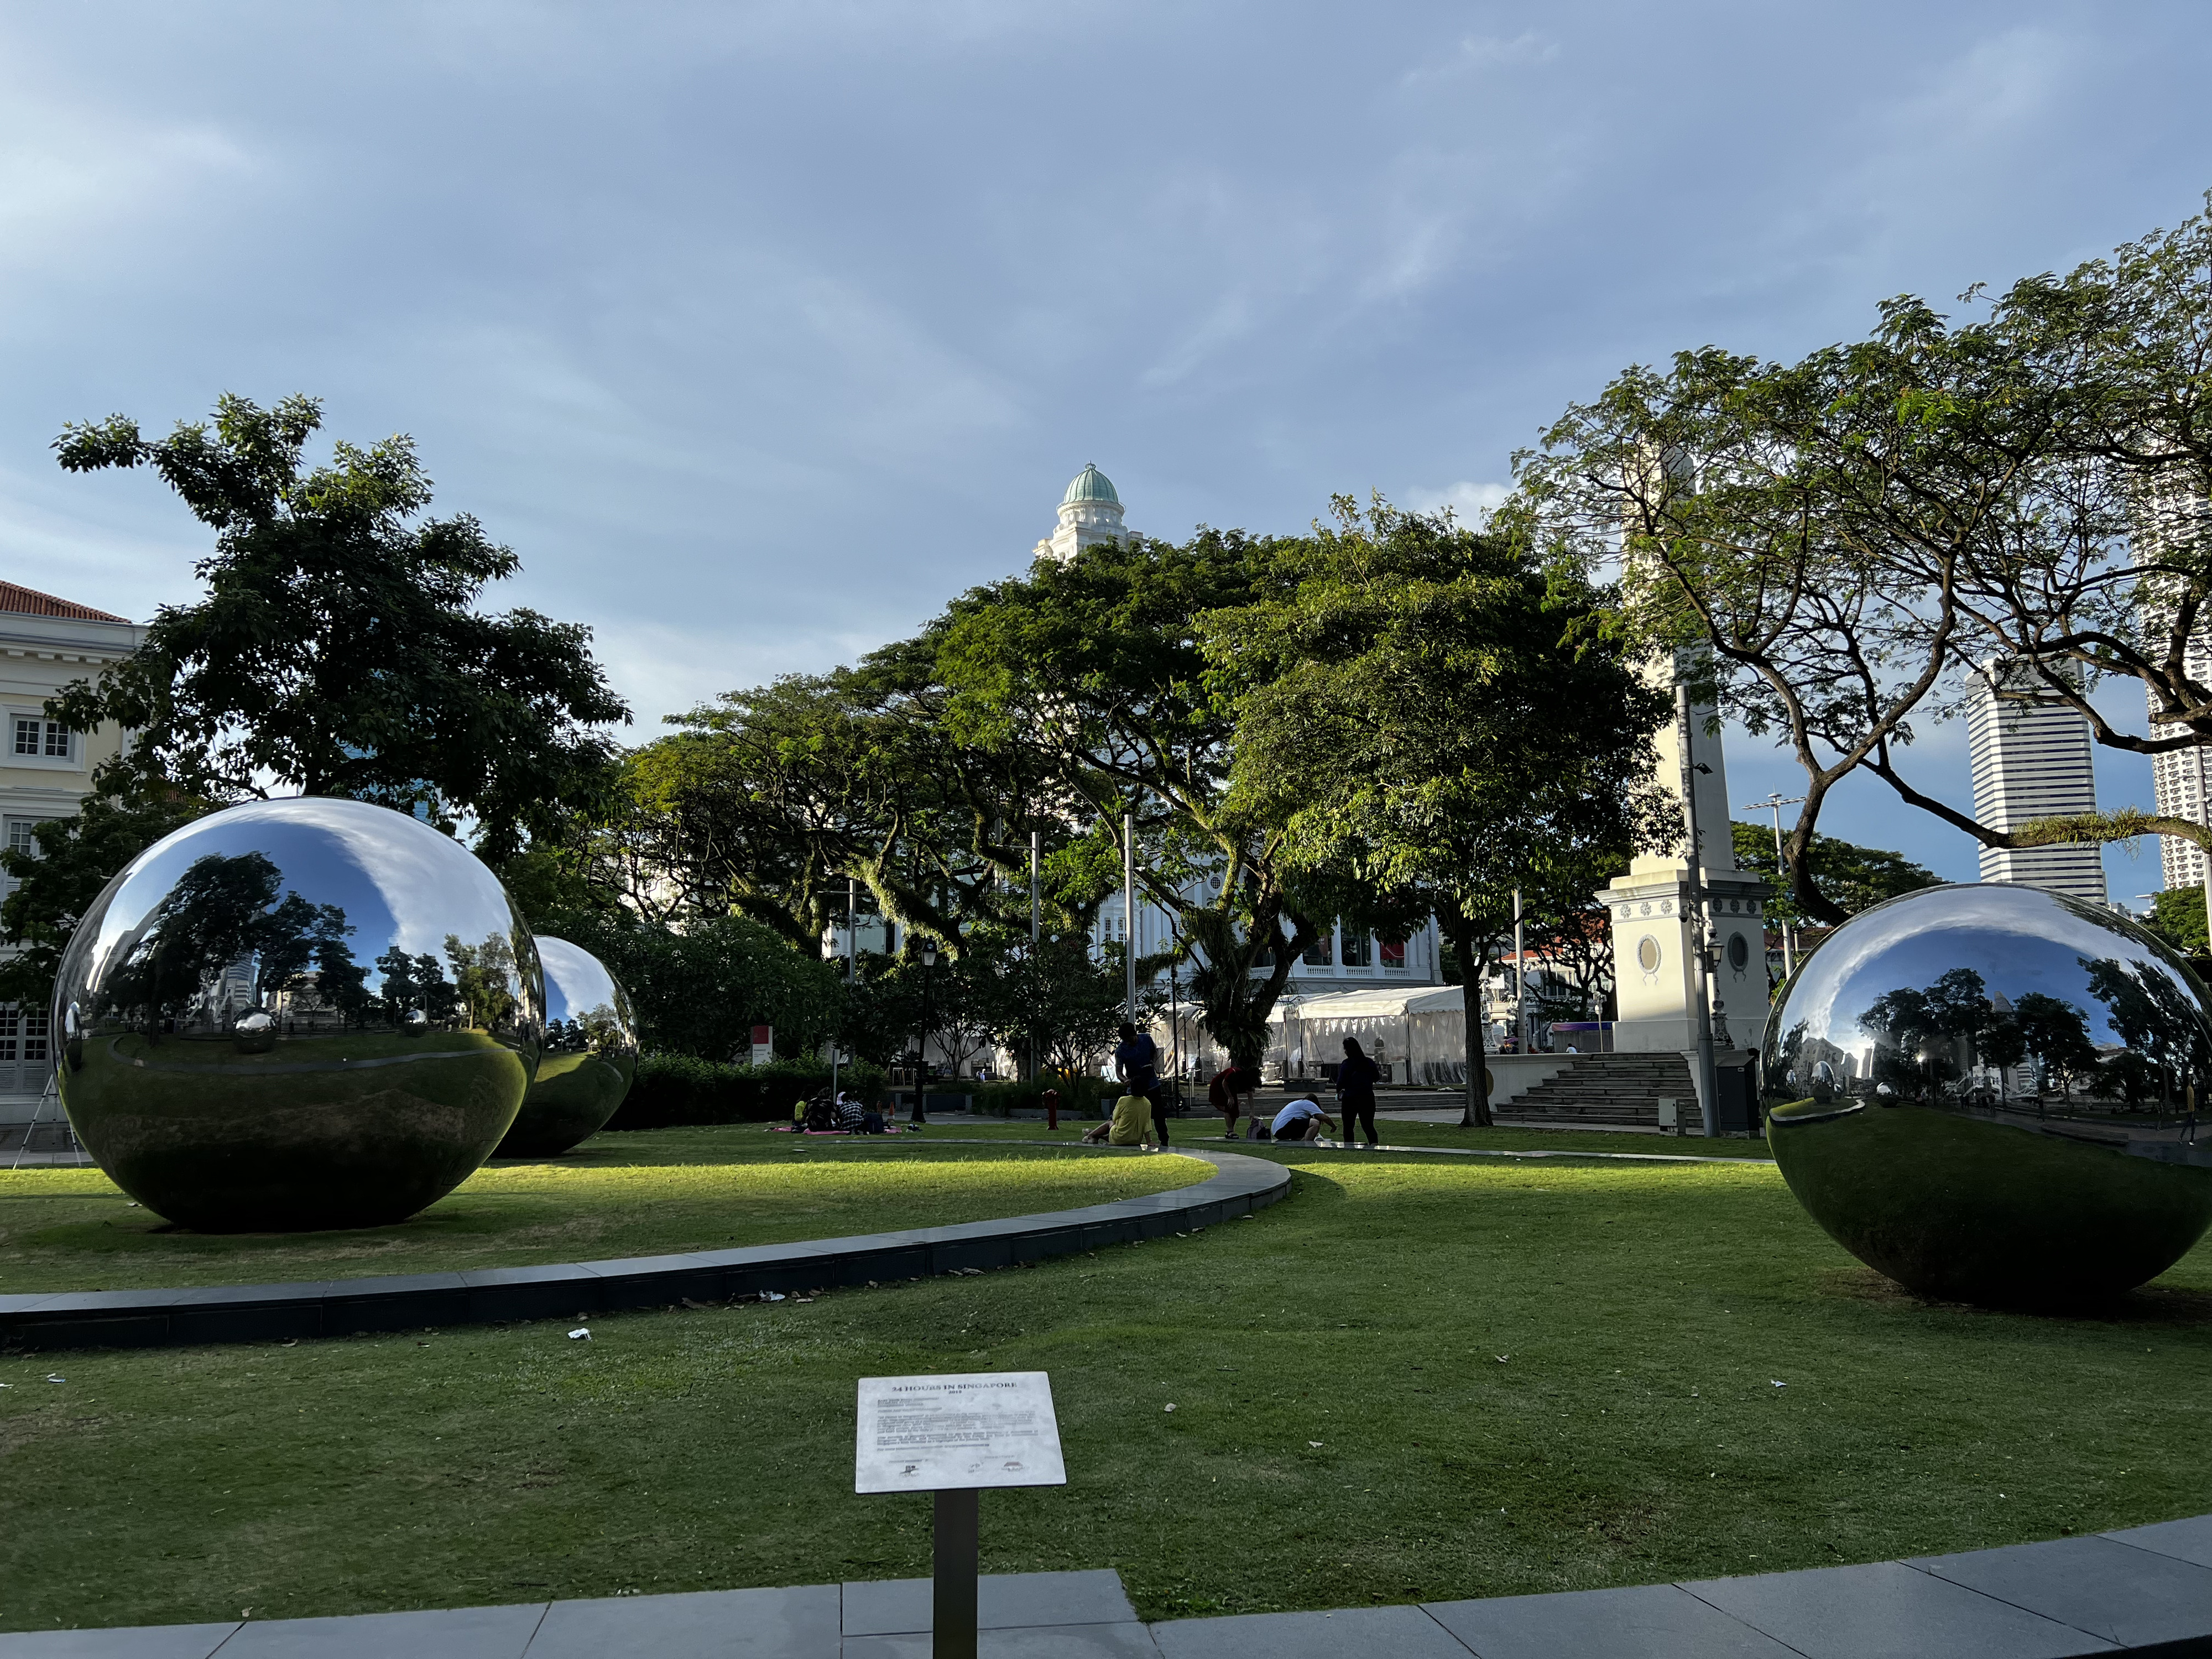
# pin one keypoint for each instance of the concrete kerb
(246, 1313)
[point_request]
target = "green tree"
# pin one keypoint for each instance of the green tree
(1085, 683)
(1423, 706)
(1852, 875)
(2177, 916)
(70, 861)
(337, 650)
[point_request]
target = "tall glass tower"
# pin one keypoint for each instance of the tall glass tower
(2032, 759)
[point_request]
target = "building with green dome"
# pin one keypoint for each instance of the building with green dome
(1089, 512)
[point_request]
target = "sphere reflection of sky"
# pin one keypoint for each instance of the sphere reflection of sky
(390, 874)
(2017, 938)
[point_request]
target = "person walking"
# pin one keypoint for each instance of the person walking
(1137, 1063)
(1355, 1092)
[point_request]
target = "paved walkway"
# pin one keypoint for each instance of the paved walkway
(2147, 1589)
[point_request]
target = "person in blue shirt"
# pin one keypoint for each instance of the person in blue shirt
(1137, 1063)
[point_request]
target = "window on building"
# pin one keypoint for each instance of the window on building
(1320, 954)
(11, 1026)
(36, 1024)
(45, 740)
(1359, 950)
(19, 836)
(1393, 952)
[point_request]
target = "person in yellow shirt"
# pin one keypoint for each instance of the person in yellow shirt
(1130, 1126)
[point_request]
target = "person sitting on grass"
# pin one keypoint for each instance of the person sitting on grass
(1131, 1125)
(1301, 1120)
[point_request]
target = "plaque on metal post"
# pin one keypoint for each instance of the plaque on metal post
(947, 1433)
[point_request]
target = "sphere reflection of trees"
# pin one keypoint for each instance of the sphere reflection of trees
(1989, 1093)
(590, 1054)
(263, 1029)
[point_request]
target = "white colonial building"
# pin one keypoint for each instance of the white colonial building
(46, 770)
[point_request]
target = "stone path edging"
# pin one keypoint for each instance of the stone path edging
(260, 1313)
(2145, 1590)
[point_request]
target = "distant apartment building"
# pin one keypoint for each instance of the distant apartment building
(46, 770)
(2032, 759)
(2165, 518)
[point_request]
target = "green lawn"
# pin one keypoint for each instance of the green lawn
(627, 1194)
(1415, 1378)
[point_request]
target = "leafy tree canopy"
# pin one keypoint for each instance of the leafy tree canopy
(1422, 707)
(337, 650)
(1850, 876)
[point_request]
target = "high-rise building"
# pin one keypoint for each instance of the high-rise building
(2170, 517)
(2032, 759)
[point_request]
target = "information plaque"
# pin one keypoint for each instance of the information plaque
(953, 1433)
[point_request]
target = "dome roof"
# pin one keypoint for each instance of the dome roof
(1090, 485)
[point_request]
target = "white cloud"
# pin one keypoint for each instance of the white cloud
(1469, 502)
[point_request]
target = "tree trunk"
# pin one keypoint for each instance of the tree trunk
(1477, 1114)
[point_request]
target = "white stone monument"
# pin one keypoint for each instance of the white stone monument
(1654, 972)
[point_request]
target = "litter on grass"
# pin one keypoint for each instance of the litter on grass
(581, 1333)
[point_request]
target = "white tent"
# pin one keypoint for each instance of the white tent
(1416, 1033)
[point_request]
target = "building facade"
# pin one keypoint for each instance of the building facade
(2033, 758)
(2173, 519)
(46, 770)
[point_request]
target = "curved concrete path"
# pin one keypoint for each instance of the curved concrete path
(2147, 1590)
(340, 1307)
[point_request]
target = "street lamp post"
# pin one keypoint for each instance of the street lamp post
(921, 1059)
(1774, 804)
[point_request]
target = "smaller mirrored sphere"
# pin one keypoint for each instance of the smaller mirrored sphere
(1989, 1094)
(295, 1014)
(589, 1057)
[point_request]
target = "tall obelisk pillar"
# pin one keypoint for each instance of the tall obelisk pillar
(1655, 934)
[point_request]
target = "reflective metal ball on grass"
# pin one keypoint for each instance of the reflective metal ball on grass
(292, 1014)
(589, 1057)
(1989, 1094)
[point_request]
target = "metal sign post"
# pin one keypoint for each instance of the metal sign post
(954, 1435)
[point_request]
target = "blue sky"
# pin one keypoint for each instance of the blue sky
(758, 332)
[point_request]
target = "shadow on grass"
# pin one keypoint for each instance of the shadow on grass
(2166, 1306)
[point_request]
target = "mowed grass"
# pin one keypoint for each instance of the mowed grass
(1415, 1378)
(617, 1195)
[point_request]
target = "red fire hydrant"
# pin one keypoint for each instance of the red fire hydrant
(1052, 1108)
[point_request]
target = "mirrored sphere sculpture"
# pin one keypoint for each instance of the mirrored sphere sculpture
(1989, 1094)
(297, 1014)
(589, 1057)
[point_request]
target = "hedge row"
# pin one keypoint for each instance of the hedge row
(671, 1090)
(1079, 1097)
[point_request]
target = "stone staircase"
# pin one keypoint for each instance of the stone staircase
(1610, 1089)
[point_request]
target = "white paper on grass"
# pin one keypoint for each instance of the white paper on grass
(945, 1433)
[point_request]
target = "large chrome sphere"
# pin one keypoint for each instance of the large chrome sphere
(589, 1057)
(297, 1014)
(1989, 1093)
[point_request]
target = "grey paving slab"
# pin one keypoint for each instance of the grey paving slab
(2185, 1540)
(1129, 1641)
(1889, 1611)
(2130, 1596)
(1004, 1601)
(1650, 1621)
(800, 1623)
(136, 1642)
(1354, 1633)
(461, 1633)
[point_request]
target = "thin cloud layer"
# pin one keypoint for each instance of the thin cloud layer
(758, 332)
